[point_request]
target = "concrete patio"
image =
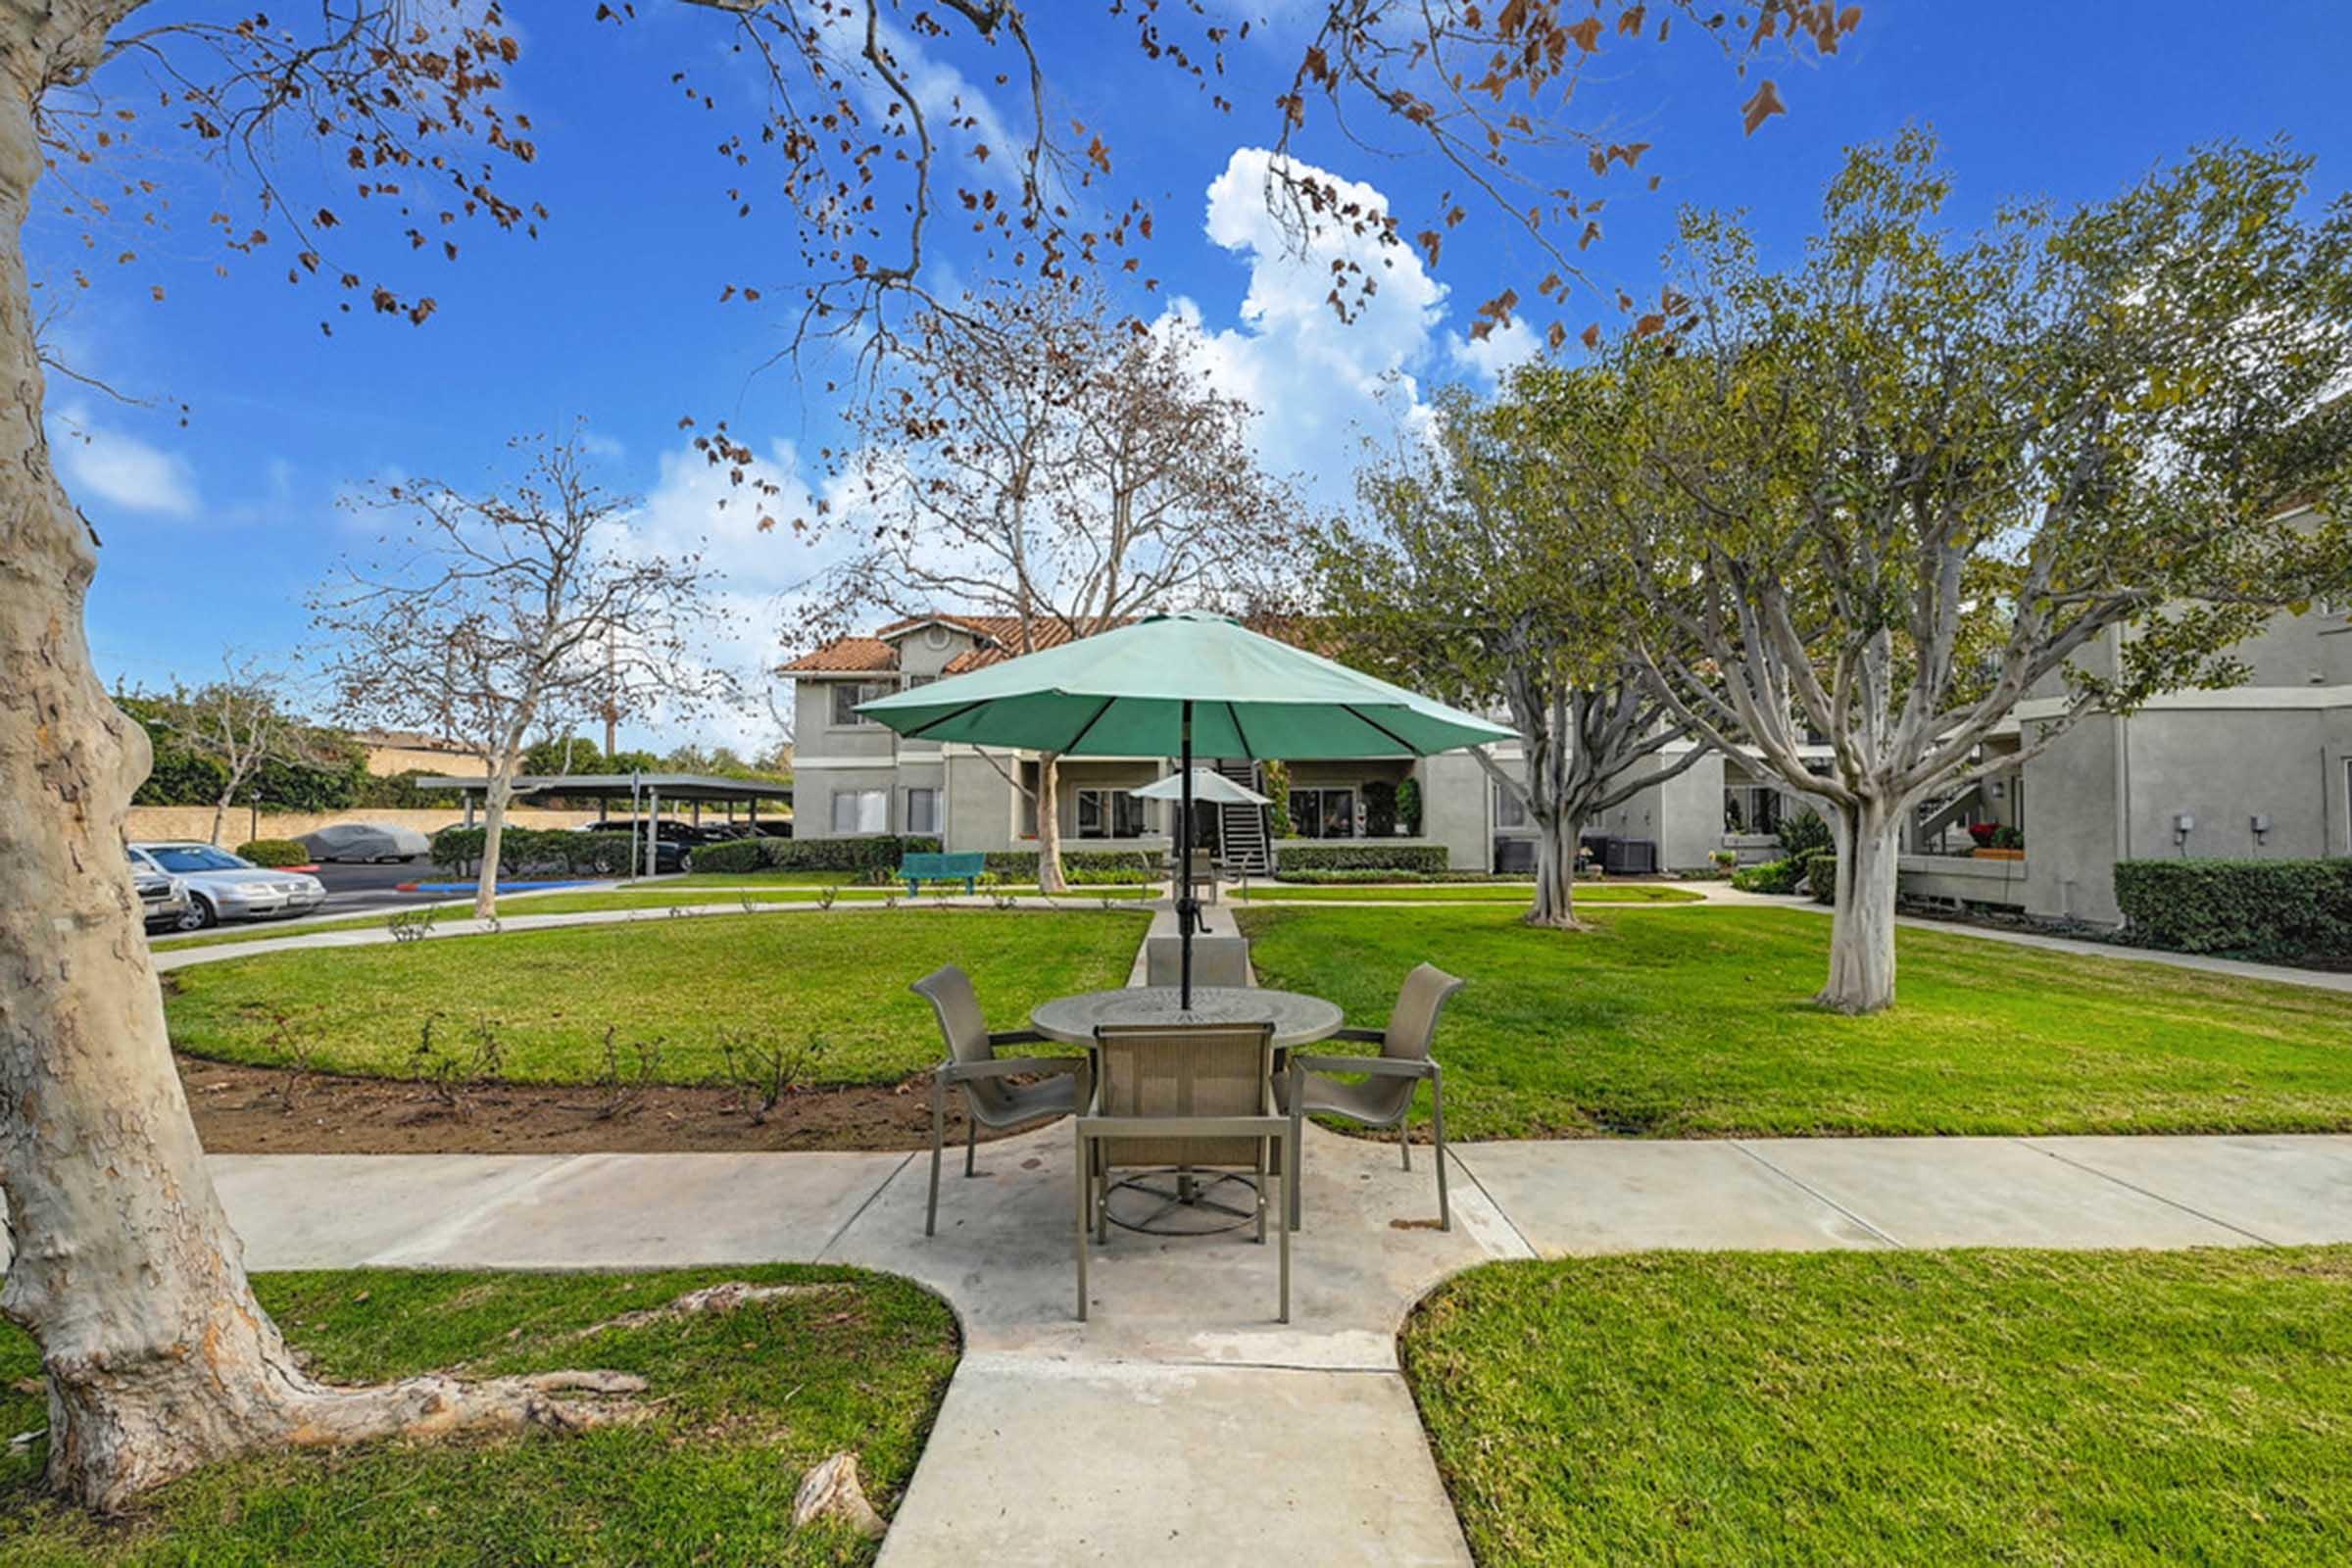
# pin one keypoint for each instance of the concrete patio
(1209, 1429)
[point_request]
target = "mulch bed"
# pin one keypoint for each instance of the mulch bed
(243, 1110)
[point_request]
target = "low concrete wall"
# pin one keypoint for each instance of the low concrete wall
(1966, 879)
(153, 822)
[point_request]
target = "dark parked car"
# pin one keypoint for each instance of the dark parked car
(673, 842)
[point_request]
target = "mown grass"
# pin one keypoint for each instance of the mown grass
(686, 893)
(1702, 1024)
(746, 1401)
(1999, 1406)
(1457, 893)
(549, 996)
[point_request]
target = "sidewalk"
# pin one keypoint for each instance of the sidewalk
(1181, 1421)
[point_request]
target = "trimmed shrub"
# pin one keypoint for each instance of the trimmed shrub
(1803, 833)
(1274, 783)
(1821, 875)
(734, 856)
(851, 856)
(1348, 855)
(2290, 910)
(2005, 837)
(1335, 878)
(1772, 876)
(275, 852)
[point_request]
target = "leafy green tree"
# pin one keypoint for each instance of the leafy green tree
(2076, 455)
(1476, 575)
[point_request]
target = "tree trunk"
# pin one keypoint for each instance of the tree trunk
(494, 829)
(1049, 823)
(1557, 842)
(219, 809)
(124, 1270)
(1869, 837)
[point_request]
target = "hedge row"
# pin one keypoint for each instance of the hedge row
(1770, 876)
(2292, 910)
(859, 858)
(1358, 875)
(459, 849)
(1359, 856)
(880, 853)
(273, 852)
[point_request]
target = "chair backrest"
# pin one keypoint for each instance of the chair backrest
(1414, 1018)
(1203, 1070)
(950, 992)
(1216, 960)
(1412, 1021)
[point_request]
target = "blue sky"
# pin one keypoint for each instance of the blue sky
(214, 531)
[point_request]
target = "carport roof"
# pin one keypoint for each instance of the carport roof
(608, 786)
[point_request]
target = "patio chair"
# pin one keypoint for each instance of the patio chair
(1192, 1097)
(1384, 1097)
(1216, 960)
(1206, 870)
(973, 1065)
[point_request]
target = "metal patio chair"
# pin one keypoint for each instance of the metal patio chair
(1385, 1096)
(1188, 1098)
(973, 1065)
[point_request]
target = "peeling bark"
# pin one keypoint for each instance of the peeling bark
(124, 1269)
(832, 1491)
(1862, 926)
(1049, 823)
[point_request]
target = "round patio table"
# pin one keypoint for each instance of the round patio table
(1298, 1020)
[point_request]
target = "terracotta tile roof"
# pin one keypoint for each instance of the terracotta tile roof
(1000, 638)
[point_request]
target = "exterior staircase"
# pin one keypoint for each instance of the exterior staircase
(1242, 829)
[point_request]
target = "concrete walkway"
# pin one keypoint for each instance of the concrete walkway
(1182, 1422)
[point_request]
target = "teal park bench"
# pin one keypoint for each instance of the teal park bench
(916, 869)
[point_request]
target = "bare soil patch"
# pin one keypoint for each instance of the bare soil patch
(242, 1111)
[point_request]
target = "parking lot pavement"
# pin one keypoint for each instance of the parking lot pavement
(358, 889)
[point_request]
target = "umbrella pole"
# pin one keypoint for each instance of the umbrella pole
(1185, 906)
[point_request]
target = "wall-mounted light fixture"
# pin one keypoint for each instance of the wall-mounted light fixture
(2182, 826)
(1996, 790)
(2262, 829)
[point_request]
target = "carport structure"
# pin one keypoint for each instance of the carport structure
(646, 794)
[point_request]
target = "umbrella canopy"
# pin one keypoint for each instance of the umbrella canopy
(1182, 685)
(1126, 692)
(1214, 788)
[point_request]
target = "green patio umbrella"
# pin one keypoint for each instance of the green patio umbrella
(1179, 685)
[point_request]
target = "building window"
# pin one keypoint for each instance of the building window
(1509, 811)
(860, 811)
(922, 811)
(1751, 808)
(1323, 814)
(1109, 814)
(847, 694)
(912, 681)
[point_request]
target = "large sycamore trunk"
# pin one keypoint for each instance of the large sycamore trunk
(124, 1269)
(1862, 927)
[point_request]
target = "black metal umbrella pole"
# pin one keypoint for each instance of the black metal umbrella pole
(1187, 909)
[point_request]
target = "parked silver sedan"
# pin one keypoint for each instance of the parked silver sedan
(226, 887)
(162, 900)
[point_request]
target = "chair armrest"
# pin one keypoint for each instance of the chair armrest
(1014, 1036)
(1375, 1036)
(964, 1072)
(1376, 1067)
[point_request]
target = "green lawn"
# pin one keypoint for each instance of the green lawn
(691, 983)
(747, 1400)
(1998, 1407)
(689, 892)
(1520, 894)
(1700, 1024)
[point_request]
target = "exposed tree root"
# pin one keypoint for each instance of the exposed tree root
(724, 1297)
(439, 1407)
(832, 1491)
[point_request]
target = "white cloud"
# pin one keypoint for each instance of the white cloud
(1324, 386)
(121, 469)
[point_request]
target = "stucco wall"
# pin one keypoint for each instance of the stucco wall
(1989, 881)
(2113, 789)
(1456, 809)
(149, 823)
(1684, 816)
